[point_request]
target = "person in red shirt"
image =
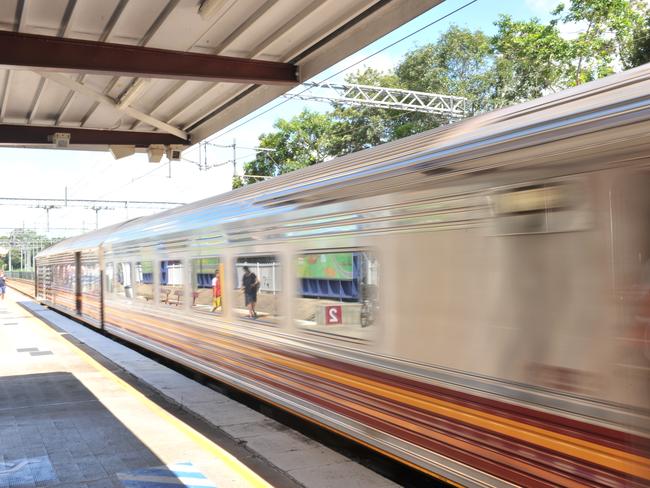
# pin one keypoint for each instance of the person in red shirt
(216, 291)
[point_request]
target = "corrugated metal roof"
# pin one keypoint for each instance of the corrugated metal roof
(89, 240)
(312, 35)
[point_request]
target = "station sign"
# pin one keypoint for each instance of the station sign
(333, 315)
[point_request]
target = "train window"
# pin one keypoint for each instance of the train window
(337, 292)
(143, 281)
(207, 282)
(122, 284)
(551, 206)
(171, 282)
(64, 276)
(90, 278)
(259, 285)
(110, 278)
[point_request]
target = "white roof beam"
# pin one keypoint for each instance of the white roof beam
(106, 100)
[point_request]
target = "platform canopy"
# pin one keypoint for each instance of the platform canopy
(136, 74)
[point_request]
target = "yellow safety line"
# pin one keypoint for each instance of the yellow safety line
(250, 477)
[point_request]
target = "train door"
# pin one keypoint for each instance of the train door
(77, 284)
(102, 302)
(44, 281)
(549, 253)
(630, 210)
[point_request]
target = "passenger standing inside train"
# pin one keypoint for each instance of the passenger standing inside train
(3, 284)
(216, 291)
(251, 284)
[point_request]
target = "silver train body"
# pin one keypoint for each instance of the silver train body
(509, 340)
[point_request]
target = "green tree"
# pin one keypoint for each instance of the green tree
(639, 50)
(302, 141)
(237, 182)
(524, 59)
(609, 35)
(23, 240)
(531, 59)
(460, 63)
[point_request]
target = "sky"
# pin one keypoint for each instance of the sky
(46, 173)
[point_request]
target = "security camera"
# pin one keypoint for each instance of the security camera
(174, 152)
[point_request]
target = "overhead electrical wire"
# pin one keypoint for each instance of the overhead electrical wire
(290, 97)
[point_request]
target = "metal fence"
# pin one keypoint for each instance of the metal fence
(23, 275)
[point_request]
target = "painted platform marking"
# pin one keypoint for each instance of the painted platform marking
(26, 472)
(33, 351)
(178, 474)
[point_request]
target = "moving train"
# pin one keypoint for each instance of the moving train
(473, 301)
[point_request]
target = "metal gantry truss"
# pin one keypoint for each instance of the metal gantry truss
(392, 98)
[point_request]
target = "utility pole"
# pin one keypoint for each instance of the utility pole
(47, 212)
(9, 255)
(234, 157)
(97, 209)
(22, 249)
(203, 164)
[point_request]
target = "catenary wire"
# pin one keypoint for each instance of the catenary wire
(291, 97)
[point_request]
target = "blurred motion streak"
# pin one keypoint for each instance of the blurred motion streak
(473, 301)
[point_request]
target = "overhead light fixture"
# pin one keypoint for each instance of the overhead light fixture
(155, 152)
(60, 139)
(210, 8)
(120, 151)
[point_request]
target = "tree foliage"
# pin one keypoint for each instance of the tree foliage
(524, 59)
(302, 141)
(460, 63)
(639, 49)
(531, 59)
(22, 239)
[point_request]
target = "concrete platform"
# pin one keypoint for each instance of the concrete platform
(70, 421)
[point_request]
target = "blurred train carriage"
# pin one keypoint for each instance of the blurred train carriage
(473, 301)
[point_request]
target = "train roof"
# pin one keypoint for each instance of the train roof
(613, 101)
(88, 241)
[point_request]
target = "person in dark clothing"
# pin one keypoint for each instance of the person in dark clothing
(250, 284)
